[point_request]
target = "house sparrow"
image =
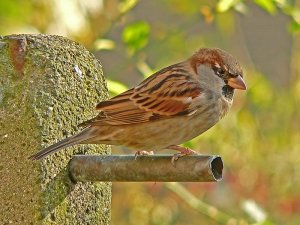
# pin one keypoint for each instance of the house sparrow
(168, 108)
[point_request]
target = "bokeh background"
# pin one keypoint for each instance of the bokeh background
(260, 138)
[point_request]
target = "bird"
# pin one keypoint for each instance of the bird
(168, 108)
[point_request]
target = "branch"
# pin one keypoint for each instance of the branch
(201, 207)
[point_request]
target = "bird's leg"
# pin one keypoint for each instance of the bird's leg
(142, 152)
(182, 152)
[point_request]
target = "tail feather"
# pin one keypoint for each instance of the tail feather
(67, 142)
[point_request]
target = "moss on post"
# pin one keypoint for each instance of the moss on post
(48, 84)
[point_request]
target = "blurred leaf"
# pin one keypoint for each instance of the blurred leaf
(116, 87)
(294, 27)
(125, 6)
(254, 210)
(295, 13)
(283, 3)
(106, 44)
(136, 35)
(207, 13)
(268, 5)
(241, 8)
(225, 5)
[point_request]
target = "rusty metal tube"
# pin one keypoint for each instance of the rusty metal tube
(158, 168)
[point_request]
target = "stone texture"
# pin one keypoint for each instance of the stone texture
(48, 85)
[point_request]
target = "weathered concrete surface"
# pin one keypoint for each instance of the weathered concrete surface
(48, 85)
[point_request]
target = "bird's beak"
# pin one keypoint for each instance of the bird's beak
(237, 83)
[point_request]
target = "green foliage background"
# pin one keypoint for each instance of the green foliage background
(260, 138)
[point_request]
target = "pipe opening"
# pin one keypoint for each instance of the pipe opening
(216, 166)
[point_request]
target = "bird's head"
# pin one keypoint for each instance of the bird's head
(218, 68)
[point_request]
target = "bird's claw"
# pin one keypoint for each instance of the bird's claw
(175, 157)
(183, 152)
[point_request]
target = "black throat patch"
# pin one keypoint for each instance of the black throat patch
(227, 92)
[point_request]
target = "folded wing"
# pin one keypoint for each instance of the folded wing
(167, 93)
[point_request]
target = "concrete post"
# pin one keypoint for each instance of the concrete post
(48, 84)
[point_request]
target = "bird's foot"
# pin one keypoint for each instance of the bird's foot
(142, 152)
(183, 151)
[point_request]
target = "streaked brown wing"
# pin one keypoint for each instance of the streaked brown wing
(166, 93)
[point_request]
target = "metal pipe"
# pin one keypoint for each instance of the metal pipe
(157, 168)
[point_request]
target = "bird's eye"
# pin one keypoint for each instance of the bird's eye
(219, 71)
